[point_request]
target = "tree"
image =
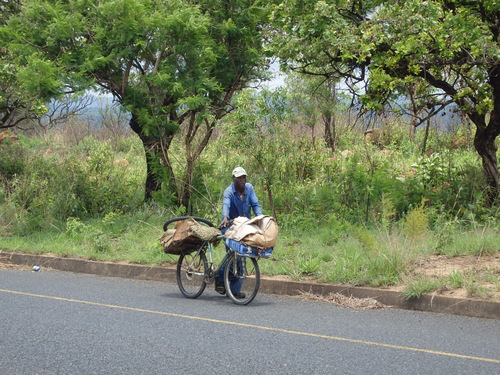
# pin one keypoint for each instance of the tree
(173, 64)
(256, 128)
(60, 111)
(315, 97)
(27, 81)
(451, 45)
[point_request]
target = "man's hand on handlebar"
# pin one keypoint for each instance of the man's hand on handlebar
(224, 223)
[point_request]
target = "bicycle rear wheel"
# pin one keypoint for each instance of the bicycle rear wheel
(241, 279)
(191, 271)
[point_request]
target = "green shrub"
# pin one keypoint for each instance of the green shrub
(13, 156)
(415, 223)
(78, 182)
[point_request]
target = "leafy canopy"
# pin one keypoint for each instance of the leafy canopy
(452, 45)
(161, 59)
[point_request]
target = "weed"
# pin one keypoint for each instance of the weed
(474, 289)
(416, 288)
(308, 265)
(475, 242)
(492, 277)
(456, 279)
(416, 222)
(474, 284)
(89, 234)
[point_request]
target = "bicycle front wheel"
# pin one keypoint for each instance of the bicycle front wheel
(191, 271)
(241, 279)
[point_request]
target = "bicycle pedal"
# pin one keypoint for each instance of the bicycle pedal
(220, 288)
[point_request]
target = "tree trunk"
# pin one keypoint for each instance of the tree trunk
(186, 191)
(152, 151)
(426, 136)
(414, 119)
(153, 181)
(484, 142)
(193, 152)
(484, 139)
(329, 122)
(413, 127)
(330, 119)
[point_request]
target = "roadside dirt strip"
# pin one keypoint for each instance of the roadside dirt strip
(326, 292)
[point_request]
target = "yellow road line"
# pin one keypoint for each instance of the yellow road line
(257, 327)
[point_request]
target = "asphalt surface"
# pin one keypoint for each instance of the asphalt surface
(57, 322)
(429, 303)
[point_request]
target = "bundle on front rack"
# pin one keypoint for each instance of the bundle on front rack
(187, 236)
(253, 237)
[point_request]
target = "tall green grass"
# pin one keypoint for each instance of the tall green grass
(360, 216)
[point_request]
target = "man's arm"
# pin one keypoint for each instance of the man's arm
(254, 202)
(226, 204)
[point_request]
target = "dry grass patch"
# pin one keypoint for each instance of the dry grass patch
(347, 302)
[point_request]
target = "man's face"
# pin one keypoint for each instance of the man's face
(239, 183)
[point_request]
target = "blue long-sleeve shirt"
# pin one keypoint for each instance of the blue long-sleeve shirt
(234, 204)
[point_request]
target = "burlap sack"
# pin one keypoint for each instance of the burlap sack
(187, 236)
(261, 231)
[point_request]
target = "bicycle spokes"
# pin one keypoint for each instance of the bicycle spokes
(242, 279)
(191, 271)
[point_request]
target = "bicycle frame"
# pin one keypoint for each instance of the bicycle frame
(210, 278)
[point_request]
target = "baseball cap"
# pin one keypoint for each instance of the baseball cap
(238, 172)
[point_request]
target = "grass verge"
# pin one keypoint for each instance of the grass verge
(351, 256)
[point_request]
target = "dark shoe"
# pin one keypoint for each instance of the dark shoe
(239, 295)
(220, 288)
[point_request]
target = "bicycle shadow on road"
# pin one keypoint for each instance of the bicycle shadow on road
(215, 297)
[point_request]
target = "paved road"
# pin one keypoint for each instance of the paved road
(64, 323)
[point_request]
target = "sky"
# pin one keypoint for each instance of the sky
(278, 78)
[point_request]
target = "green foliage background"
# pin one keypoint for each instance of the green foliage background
(353, 212)
(360, 215)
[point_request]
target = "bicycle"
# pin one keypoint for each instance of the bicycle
(194, 271)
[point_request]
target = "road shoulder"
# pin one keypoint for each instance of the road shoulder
(430, 303)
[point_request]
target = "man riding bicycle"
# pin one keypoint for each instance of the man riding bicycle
(239, 200)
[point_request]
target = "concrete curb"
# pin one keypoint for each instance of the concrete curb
(430, 303)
